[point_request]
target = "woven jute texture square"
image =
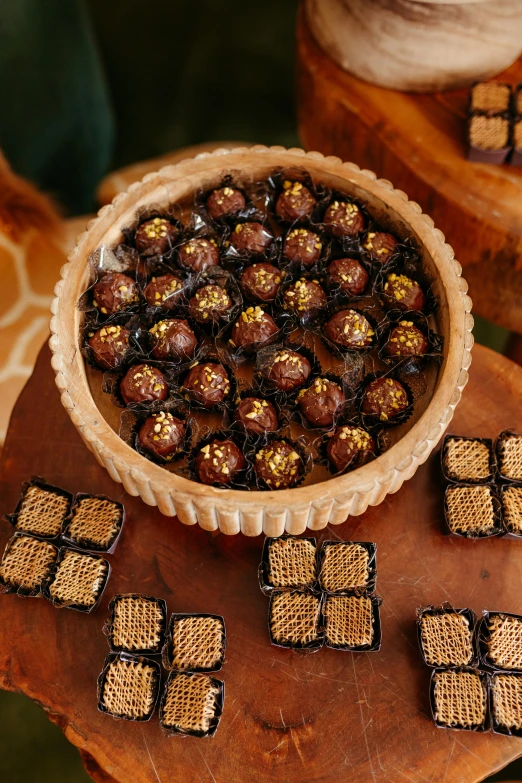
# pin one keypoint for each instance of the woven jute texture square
(95, 521)
(129, 689)
(506, 690)
(294, 618)
(505, 641)
(349, 621)
(137, 623)
(42, 511)
(466, 460)
(510, 457)
(470, 510)
(291, 562)
(26, 562)
(190, 703)
(489, 133)
(512, 509)
(344, 567)
(460, 699)
(490, 97)
(446, 639)
(197, 642)
(78, 580)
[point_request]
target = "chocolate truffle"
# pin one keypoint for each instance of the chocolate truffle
(302, 245)
(304, 297)
(155, 237)
(210, 303)
(349, 329)
(349, 445)
(250, 238)
(380, 245)
(143, 383)
(174, 339)
(207, 384)
(385, 398)
(278, 465)
(349, 275)
(402, 292)
(109, 345)
(253, 327)
(320, 402)
(114, 292)
(162, 434)
(219, 462)
(199, 253)
(257, 416)
(225, 201)
(163, 291)
(295, 201)
(261, 282)
(344, 218)
(288, 370)
(406, 340)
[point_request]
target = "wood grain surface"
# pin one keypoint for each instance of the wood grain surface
(418, 143)
(288, 718)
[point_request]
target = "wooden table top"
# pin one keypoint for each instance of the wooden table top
(293, 718)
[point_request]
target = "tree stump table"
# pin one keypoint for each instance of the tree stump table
(294, 718)
(418, 142)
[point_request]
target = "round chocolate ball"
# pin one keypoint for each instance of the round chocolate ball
(162, 435)
(295, 201)
(143, 383)
(219, 462)
(287, 370)
(406, 340)
(349, 445)
(207, 384)
(253, 327)
(261, 282)
(320, 403)
(349, 275)
(257, 415)
(109, 345)
(349, 329)
(199, 253)
(380, 245)
(303, 246)
(225, 201)
(278, 465)
(385, 398)
(304, 297)
(114, 292)
(155, 237)
(250, 238)
(402, 292)
(163, 291)
(344, 219)
(173, 339)
(210, 303)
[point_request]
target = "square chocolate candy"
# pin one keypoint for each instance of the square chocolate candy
(295, 620)
(509, 455)
(467, 459)
(511, 502)
(352, 622)
(459, 699)
(128, 687)
(191, 704)
(488, 139)
(195, 642)
(137, 624)
(347, 566)
(506, 703)
(500, 641)
(41, 510)
(26, 564)
(472, 511)
(446, 636)
(490, 97)
(288, 563)
(77, 581)
(95, 523)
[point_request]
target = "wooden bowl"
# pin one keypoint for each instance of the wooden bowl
(292, 510)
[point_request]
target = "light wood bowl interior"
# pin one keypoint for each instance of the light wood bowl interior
(312, 505)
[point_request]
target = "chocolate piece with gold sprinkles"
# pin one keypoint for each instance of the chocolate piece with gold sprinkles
(173, 339)
(250, 237)
(349, 445)
(302, 245)
(406, 339)
(295, 201)
(155, 236)
(162, 435)
(288, 370)
(349, 329)
(404, 293)
(257, 415)
(344, 219)
(109, 345)
(278, 465)
(209, 304)
(114, 292)
(219, 462)
(380, 245)
(385, 398)
(253, 327)
(225, 201)
(304, 297)
(261, 282)
(349, 275)
(320, 403)
(207, 384)
(198, 254)
(163, 291)
(143, 383)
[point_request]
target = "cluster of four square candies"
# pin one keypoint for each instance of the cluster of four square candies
(483, 497)
(321, 596)
(476, 683)
(54, 549)
(191, 646)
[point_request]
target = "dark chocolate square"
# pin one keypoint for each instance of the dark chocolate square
(352, 622)
(77, 580)
(446, 636)
(468, 460)
(128, 687)
(137, 624)
(506, 703)
(347, 566)
(26, 564)
(472, 511)
(95, 523)
(288, 563)
(191, 704)
(295, 620)
(41, 510)
(459, 699)
(195, 642)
